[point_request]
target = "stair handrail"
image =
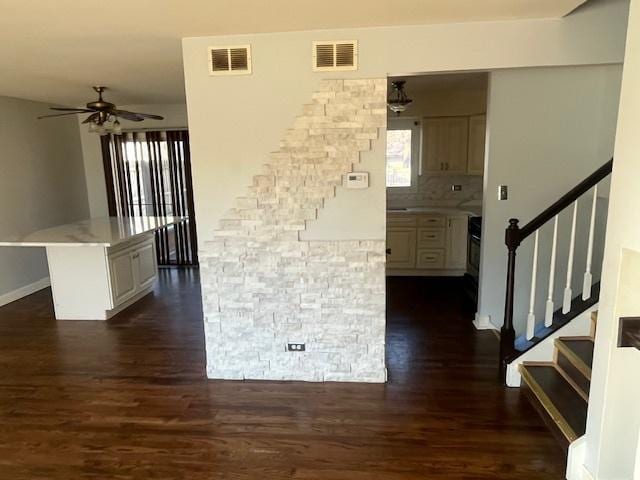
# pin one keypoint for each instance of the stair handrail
(514, 235)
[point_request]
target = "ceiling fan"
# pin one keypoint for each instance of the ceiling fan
(103, 113)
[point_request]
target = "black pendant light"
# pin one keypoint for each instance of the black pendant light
(398, 101)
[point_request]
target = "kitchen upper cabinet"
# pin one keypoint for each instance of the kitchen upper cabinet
(457, 241)
(401, 247)
(477, 140)
(445, 145)
(457, 129)
(434, 137)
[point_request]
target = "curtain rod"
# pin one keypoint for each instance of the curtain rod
(164, 129)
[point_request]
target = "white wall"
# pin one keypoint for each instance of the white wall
(549, 128)
(235, 121)
(175, 116)
(614, 417)
(41, 185)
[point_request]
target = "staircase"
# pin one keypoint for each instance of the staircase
(552, 358)
(559, 389)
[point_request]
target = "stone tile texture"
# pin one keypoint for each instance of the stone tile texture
(263, 287)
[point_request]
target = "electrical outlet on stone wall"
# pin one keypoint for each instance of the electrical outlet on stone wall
(295, 347)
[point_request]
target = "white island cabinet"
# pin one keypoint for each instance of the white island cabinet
(99, 266)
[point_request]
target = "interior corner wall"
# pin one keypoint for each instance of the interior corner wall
(549, 128)
(175, 116)
(41, 185)
(236, 121)
(613, 422)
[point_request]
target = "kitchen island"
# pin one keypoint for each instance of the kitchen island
(98, 266)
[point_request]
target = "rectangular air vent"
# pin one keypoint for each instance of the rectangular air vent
(235, 60)
(335, 56)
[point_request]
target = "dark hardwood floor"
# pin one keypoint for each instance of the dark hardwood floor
(128, 399)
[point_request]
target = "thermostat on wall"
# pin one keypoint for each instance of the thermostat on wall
(357, 180)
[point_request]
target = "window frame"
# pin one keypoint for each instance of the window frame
(413, 124)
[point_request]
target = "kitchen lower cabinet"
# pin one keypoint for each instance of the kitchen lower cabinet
(426, 244)
(401, 247)
(96, 282)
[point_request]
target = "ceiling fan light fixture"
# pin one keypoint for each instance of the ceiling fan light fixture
(103, 118)
(116, 128)
(398, 102)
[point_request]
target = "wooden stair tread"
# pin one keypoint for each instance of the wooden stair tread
(561, 401)
(579, 349)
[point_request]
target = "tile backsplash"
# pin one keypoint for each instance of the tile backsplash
(436, 191)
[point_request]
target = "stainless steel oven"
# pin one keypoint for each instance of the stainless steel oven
(473, 258)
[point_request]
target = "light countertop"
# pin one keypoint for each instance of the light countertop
(472, 211)
(94, 232)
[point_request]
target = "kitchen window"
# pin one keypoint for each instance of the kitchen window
(403, 153)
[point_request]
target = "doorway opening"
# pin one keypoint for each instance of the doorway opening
(434, 177)
(148, 173)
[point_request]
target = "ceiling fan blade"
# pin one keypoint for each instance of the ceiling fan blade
(149, 115)
(91, 118)
(58, 115)
(61, 109)
(134, 117)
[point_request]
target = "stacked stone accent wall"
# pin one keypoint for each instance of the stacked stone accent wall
(263, 287)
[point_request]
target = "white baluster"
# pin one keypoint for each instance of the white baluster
(531, 318)
(588, 277)
(568, 292)
(548, 314)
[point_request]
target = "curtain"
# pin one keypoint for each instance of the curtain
(149, 174)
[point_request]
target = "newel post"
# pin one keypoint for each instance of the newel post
(507, 333)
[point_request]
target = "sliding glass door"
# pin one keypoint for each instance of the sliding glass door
(149, 174)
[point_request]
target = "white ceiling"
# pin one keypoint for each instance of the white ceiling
(54, 50)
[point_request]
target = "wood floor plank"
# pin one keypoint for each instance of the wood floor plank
(127, 399)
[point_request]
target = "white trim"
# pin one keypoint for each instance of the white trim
(483, 322)
(576, 469)
(101, 315)
(22, 292)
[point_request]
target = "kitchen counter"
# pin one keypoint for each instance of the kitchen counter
(465, 210)
(112, 266)
(94, 232)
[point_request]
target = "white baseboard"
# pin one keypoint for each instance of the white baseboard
(21, 292)
(483, 322)
(413, 272)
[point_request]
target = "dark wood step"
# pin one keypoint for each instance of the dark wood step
(557, 397)
(580, 349)
(574, 357)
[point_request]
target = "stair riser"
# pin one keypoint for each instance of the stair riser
(551, 425)
(576, 376)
